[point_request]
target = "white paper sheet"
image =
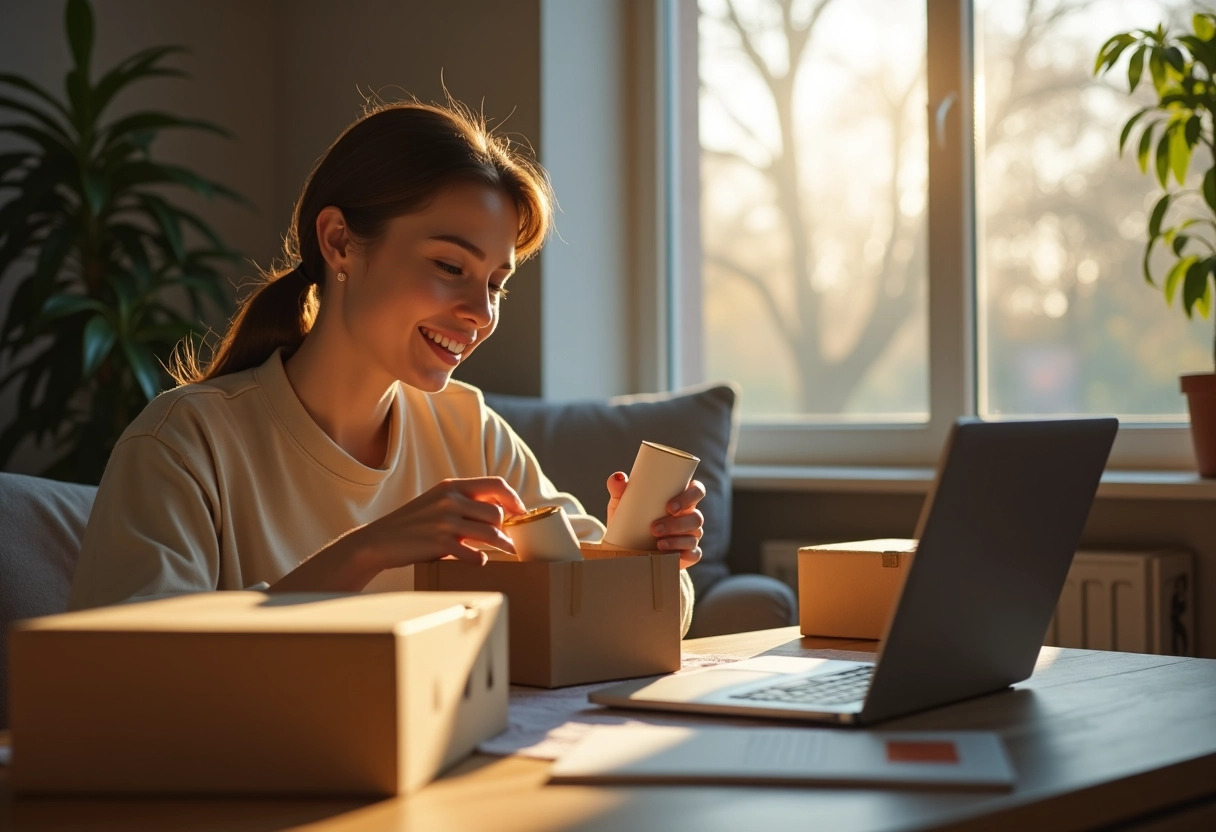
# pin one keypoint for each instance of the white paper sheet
(677, 754)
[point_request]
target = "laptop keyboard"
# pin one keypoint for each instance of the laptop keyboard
(831, 689)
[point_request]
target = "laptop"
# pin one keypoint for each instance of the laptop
(996, 537)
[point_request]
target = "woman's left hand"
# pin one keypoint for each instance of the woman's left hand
(680, 529)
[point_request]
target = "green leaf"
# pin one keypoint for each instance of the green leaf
(1175, 275)
(38, 115)
(1156, 68)
(1146, 144)
(170, 225)
(1158, 215)
(139, 66)
(153, 121)
(25, 85)
(144, 366)
(79, 19)
(1209, 188)
(50, 143)
(99, 338)
(1204, 26)
(1179, 243)
(1163, 155)
(1180, 152)
(65, 305)
(1194, 129)
(1109, 54)
(1127, 128)
(81, 102)
(1135, 68)
(1196, 289)
(1174, 59)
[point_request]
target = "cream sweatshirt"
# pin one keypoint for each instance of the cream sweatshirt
(229, 483)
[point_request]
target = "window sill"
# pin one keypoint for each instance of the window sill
(1138, 485)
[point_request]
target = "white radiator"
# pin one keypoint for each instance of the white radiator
(1137, 602)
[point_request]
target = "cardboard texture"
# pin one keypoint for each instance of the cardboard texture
(613, 615)
(245, 692)
(848, 590)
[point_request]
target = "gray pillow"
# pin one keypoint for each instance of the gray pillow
(579, 444)
(41, 524)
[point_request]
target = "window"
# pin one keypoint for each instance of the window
(906, 213)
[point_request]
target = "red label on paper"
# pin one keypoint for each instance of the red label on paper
(915, 751)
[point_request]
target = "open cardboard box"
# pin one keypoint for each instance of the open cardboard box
(613, 615)
(245, 692)
(848, 590)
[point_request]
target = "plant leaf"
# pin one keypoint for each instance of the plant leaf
(99, 338)
(1175, 275)
(1158, 215)
(1146, 144)
(79, 20)
(153, 121)
(140, 65)
(1127, 128)
(40, 116)
(64, 305)
(1196, 288)
(1204, 26)
(1163, 155)
(1180, 150)
(24, 84)
(144, 366)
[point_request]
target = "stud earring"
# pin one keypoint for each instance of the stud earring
(341, 277)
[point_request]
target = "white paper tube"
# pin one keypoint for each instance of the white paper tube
(543, 534)
(659, 474)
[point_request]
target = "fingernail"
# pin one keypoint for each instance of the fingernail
(660, 528)
(618, 476)
(673, 506)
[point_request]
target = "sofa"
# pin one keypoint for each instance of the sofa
(579, 444)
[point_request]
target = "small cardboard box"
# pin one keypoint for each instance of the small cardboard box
(613, 615)
(245, 692)
(848, 590)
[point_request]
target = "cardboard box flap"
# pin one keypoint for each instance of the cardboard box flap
(259, 612)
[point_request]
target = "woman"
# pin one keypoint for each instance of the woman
(325, 444)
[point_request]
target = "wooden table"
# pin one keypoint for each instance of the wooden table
(1096, 738)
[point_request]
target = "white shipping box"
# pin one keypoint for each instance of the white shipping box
(247, 692)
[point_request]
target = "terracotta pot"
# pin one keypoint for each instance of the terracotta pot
(1200, 389)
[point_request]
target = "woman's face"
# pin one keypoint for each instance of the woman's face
(428, 293)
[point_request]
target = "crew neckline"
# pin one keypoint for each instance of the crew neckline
(281, 397)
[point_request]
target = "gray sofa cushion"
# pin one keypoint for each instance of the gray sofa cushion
(41, 524)
(579, 444)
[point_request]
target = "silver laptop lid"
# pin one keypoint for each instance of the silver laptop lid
(996, 538)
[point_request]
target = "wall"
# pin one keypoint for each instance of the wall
(1114, 524)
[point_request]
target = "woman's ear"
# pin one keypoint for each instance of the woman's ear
(333, 237)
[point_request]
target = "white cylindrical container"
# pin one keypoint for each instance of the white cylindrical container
(543, 534)
(659, 474)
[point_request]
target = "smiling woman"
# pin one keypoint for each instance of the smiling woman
(325, 444)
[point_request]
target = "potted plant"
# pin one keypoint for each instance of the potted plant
(1183, 221)
(110, 275)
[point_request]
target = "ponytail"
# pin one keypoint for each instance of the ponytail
(277, 314)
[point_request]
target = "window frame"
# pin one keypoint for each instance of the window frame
(952, 266)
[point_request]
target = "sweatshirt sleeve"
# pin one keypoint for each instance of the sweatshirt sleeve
(151, 531)
(508, 456)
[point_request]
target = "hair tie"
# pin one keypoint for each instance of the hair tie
(304, 274)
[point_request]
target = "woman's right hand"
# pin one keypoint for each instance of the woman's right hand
(449, 519)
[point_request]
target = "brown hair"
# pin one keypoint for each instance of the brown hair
(390, 162)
